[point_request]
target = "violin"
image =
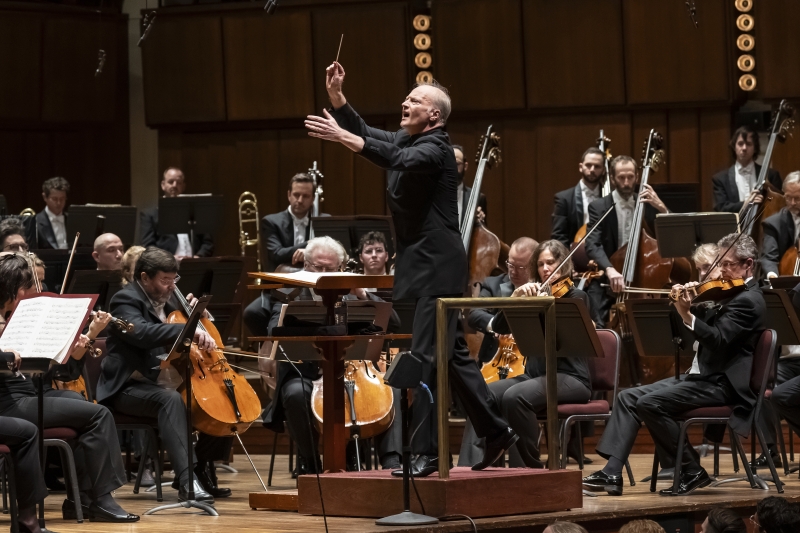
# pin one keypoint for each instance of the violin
(224, 403)
(710, 291)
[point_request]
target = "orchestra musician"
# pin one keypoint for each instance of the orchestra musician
(129, 259)
(571, 206)
(173, 183)
(12, 236)
(291, 402)
(51, 228)
(720, 374)
(519, 273)
(463, 191)
(98, 459)
(372, 253)
(108, 251)
(786, 395)
(131, 382)
(782, 229)
(733, 187)
(431, 260)
(520, 398)
(704, 257)
(614, 231)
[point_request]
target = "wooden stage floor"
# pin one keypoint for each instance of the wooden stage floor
(605, 512)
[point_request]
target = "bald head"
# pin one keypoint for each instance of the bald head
(108, 250)
(426, 107)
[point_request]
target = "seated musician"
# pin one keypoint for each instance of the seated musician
(463, 191)
(519, 273)
(734, 187)
(291, 402)
(51, 228)
(614, 231)
(571, 206)
(130, 380)
(98, 458)
(522, 397)
(108, 251)
(372, 253)
(12, 236)
(173, 183)
(782, 229)
(720, 374)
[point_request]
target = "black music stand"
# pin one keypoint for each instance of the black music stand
(104, 283)
(56, 262)
(180, 350)
(784, 282)
(657, 330)
(348, 230)
(679, 197)
(189, 213)
(678, 234)
(782, 316)
(91, 221)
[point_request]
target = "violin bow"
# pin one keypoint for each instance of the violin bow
(569, 255)
(69, 264)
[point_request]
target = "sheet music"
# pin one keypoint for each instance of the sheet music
(44, 327)
(310, 277)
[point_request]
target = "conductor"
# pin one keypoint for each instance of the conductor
(431, 261)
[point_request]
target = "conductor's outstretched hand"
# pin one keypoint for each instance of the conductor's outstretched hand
(334, 79)
(328, 129)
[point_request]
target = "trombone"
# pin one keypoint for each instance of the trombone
(248, 214)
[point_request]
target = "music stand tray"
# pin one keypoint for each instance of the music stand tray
(782, 316)
(91, 221)
(104, 283)
(192, 214)
(784, 282)
(678, 234)
(348, 230)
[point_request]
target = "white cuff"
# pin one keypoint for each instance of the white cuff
(489, 326)
(771, 275)
(690, 326)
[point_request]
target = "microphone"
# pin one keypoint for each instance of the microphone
(270, 6)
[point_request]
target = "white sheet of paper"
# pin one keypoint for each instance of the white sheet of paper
(45, 327)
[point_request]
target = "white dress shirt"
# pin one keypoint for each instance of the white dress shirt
(587, 196)
(745, 179)
(184, 246)
(300, 225)
(624, 209)
(460, 200)
(59, 228)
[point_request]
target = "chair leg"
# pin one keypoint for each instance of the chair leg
(676, 478)
(630, 473)
(128, 445)
(272, 459)
(654, 475)
(142, 461)
(579, 438)
(12, 494)
(740, 449)
(158, 466)
(734, 451)
(716, 459)
(3, 485)
(68, 462)
(782, 446)
(291, 455)
(791, 444)
(565, 428)
(763, 442)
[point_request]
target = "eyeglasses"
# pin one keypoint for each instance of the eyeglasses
(15, 247)
(729, 264)
(311, 267)
(515, 268)
(754, 520)
(166, 283)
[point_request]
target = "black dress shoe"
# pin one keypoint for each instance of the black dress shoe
(495, 448)
(200, 495)
(68, 510)
(761, 462)
(602, 481)
(98, 514)
(24, 529)
(201, 474)
(688, 484)
(423, 466)
(52, 482)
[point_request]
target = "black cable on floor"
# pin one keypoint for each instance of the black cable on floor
(450, 517)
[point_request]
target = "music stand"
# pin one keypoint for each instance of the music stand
(181, 350)
(657, 331)
(56, 265)
(348, 230)
(190, 213)
(91, 221)
(782, 316)
(784, 282)
(678, 234)
(679, 197)
(104, 283)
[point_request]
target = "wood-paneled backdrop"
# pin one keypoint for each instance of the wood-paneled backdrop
(56, 117)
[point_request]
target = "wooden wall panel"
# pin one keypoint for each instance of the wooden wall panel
(478, 54)
(572, 59)
(374, 55)
(268, 65)
(183, 71)
(337, 166)
(683, 157)
(777, 48)
(522, 202)
(369, 188)
(668, 60)
(715, 133)
(20, 66)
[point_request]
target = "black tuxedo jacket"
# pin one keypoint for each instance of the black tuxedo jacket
(277, 231)
(137, 349)
(604, 241)
(726, 194)
(421, 193)
(202, 245)
(778, 237)
(567, 214)
(478, 319)
(45, 236)
(465, 200)
(727, 335)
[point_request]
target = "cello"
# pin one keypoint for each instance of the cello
(641, 264)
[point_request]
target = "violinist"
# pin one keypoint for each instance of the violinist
(130, 379)
(291, 402)
(463, 190)
(734, 187)
(614, 231)
(98, 458)
(108, 251)
(782, 229)
(571, 206)
(520, 398)
(51, 222)
(726, 335)
(519, 273)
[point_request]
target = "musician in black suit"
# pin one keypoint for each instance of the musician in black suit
(786, 395)
(291, 402)
(571, 206)
(464, 191)
(613, 232)
(727, 333)
(131, 382)
(781, 229)
(734, 186)
(522, 397)
(51, 222)
(519, 273)
(173, 184)
(431, 261)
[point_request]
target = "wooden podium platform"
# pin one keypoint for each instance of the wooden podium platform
(375, 493)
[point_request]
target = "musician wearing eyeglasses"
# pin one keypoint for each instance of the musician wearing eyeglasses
(571, 206)
(12, 236)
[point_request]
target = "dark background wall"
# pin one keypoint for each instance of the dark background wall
(227, 88)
